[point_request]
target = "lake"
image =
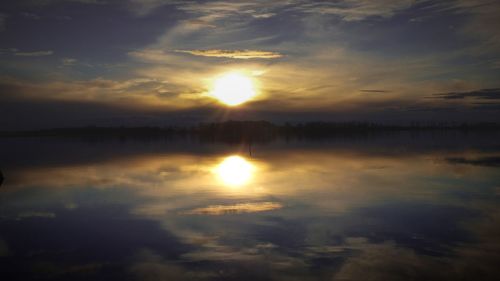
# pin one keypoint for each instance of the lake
(405, 206)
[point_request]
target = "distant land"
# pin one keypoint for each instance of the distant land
(255, 130)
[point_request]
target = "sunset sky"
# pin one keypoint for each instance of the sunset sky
(155, 62)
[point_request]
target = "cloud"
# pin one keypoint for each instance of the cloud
(348, 10)
(264, 16)
(227, 8)
(34, 54)
(144, 7)
(18, 53)
(483, 94)
(50, 2)
(150, 55)
(98, 90)
(484, 161)
(481, 22)
(374, 91)
(355, 10)
(69, 61)
(235, 209)
(386, 261)
(4, 248)
(31, 16)
(200, 22)
(8, 51)
(29, 215)
(233, 54)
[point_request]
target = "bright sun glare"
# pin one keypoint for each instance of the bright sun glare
(233, 89)
(234, 170)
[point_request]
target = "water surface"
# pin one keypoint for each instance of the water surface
(400, 207)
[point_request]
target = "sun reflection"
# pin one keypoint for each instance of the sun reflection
(235, 171)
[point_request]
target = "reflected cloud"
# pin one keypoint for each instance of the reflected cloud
(235, 209)
(4, 248)
(29, 215)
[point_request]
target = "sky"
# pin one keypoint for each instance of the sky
(154, 62)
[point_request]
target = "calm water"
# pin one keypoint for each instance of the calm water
(402, 207)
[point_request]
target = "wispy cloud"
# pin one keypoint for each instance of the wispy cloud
(31, 16)
(481, 23)
(355, 10)
(34, 54)
(19, 53)
(233, 54)
(68, 61)
(150, 55)
(144, 7)
(200, 22)
(264, 16)
(348, 10)
(8, 51)
(374, 91)
(99, 89)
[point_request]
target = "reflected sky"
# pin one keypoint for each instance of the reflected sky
(288, 211)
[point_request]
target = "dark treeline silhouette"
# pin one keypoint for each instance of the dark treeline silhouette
(255, 130)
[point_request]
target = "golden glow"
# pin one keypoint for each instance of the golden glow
(234, 170)
(233, 89)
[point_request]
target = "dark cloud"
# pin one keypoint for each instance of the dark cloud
(483, 161)
(484, 94)
(431, 109)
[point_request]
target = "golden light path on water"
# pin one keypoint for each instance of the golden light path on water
(234, 170)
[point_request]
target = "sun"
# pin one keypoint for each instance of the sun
(233, 89)
(234, 171)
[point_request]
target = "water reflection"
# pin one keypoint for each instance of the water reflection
(235, 208)
(235, 171)
(305, 212)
